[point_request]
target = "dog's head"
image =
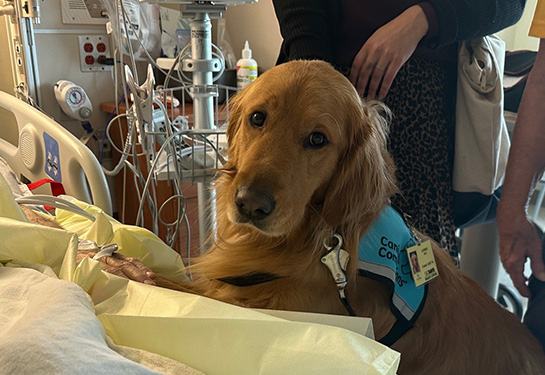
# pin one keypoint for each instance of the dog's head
(302, 144)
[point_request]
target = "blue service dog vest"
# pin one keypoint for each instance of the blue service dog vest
(382, 255)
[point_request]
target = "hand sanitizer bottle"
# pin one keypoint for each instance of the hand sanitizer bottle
(246, 68)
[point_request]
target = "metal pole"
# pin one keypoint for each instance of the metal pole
(203, 112)
(480, 255)
(201, 49)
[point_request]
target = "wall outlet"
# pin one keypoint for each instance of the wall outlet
(19, 55)
(91, 48)
(107, 148)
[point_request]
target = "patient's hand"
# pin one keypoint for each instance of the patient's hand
(119, 265)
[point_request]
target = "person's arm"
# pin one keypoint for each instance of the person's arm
(464, 20)
(382, 55)
(437, 22)
(307, 27)
(526, 163)
(117, 264)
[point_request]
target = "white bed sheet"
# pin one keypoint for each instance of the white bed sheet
(48, 326)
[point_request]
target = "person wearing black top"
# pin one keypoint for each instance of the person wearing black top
(405, 53)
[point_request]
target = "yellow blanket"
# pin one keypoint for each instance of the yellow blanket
(210, 336)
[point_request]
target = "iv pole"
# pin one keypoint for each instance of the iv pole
(202, 66)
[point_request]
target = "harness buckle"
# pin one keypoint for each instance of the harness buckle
(337, 260)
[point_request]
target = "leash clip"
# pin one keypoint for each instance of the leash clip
(337, 260)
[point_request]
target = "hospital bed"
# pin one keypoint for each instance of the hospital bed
(61, 317)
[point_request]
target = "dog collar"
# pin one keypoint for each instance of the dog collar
(249, 279)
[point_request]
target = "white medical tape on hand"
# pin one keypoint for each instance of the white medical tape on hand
(106, 251)
(87, 245)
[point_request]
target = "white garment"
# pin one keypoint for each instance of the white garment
(481, 137)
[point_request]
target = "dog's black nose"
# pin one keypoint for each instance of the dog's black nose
(254, 203)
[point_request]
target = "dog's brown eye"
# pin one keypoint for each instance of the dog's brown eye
(316, 140)
(257, 119)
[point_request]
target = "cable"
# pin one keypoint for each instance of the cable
(181, 209)
(129, 44)
(100, 155)
(150, 58)
(124, 153)
(152, 170)
(58, 202)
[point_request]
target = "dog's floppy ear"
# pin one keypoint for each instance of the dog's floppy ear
(365, 178)
(235, 121)
(235, 111)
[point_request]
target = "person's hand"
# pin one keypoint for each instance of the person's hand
(117, 264)
(518, 241)
(385, 52)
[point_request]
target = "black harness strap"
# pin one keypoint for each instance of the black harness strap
(249, 279)
(347, 306)
(400, 327)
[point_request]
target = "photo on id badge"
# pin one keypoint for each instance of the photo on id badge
(415, 265)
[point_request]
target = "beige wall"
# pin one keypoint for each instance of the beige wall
(7, 81)
(58, 58)
(516, 37)
(8, 125)
(256, 23)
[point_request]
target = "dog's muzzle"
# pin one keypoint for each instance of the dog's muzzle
(254, 203)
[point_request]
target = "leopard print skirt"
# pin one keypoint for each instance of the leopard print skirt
(422, 101)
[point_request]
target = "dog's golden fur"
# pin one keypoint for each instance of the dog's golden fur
(338, 188)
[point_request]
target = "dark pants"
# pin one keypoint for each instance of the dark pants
(535, 315)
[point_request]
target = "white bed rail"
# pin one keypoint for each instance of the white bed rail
(47, 150)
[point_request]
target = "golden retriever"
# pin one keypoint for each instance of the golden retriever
(307, 160)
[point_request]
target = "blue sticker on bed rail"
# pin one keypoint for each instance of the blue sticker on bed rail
(52, 158)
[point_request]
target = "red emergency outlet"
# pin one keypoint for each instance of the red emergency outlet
(88, 47)
(101, 47)
(90, 60)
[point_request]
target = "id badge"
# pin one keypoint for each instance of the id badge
(422, 261)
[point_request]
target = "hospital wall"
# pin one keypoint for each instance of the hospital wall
(256, 23)
(516, 37)
(7, 83)
(58, 58)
